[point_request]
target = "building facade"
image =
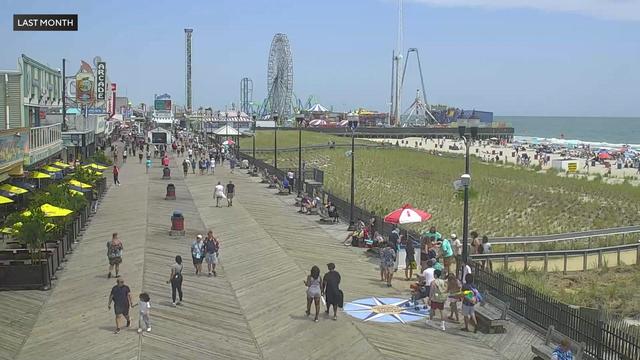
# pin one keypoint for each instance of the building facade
(41, 89)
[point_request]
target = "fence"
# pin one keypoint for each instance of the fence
(565, 260)
(607, 340)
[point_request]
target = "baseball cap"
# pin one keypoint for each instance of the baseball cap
(199, 236)
(454, 236)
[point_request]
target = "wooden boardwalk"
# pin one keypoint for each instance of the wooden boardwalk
(254, 309)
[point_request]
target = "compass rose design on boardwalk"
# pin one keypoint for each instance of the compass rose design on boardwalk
(385, 310)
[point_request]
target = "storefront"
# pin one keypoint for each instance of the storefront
(41, 89)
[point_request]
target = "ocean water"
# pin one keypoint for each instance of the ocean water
(603, 130)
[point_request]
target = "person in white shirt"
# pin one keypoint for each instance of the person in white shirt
(466, 270)
(219, 193)
(428, 274)
(145, 305)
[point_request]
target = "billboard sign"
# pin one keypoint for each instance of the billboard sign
(101, 81)
(162, 105)
(85, 82)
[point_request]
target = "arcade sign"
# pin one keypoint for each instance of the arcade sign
(101, 83)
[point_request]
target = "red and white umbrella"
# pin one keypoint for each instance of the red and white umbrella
(317, 122)
(228, 142)
(406, 215)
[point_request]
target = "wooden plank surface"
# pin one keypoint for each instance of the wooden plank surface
(254, 309)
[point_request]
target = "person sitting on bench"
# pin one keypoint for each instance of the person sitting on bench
(285, 184)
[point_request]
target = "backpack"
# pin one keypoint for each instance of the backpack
(440, 290)
(477, 295)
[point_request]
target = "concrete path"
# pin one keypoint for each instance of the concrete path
(254, 308)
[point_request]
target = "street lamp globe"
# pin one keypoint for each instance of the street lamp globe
(465, 179)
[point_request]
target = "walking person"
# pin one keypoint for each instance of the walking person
(193, 165)
(148, 164)
(314, 290)
(218, 193)
(144, 305)
(176, 280)
(140, 156)
(437, 297)
(454, 287)
(456, 244)
(197, 253)
(388, 256)
(231, 188)
(331, 290)
(114, 254)
(116, 174)
(211, 248)
(120, 296)
(212, 164)
(185, 166)
(124, 155)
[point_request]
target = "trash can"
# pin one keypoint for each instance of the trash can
(513, 154)
(177, 221)
(166, 173)
(171, 192)
(619, 166)
(593, 163)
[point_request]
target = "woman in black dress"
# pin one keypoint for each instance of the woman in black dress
(331, 290)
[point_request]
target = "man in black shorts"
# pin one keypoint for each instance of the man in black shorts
(121, 298)
(231, 188)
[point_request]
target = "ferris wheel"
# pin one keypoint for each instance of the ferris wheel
(279, 100)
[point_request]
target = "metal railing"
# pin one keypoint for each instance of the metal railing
(44, 136)
(550, 260)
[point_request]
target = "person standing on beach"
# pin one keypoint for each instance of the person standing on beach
(410, 259)
(231, 189)
(176, 280)
(331, 290)
(114, 254)
(120, 296)
(388, 256)
(314, 290)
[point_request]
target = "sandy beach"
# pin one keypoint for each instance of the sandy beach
(499, 154)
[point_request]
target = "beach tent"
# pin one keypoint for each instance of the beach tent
(226, 130)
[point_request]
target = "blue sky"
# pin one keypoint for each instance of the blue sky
(518, 57)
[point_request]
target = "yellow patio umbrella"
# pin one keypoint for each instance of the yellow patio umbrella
(49, 168)
(13, 189)
(79, 184)
(76, 192)
(39, 175)
(61, 165)
(54, 211)
(95, 166)
(50, 211)
(95, 172)
(8, 230)
(5, 200)
(16, 228)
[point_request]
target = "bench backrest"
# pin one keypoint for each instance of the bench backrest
(501, 305)
(554, 337)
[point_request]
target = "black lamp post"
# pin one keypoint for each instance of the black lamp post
(275, 141)
(253, 150)
(465, 180)
(353, 124)
(300, 120)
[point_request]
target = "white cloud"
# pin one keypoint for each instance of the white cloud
(604, 9)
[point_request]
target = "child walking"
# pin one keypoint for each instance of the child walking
(143, 322)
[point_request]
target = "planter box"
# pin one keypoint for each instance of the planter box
(23, 275)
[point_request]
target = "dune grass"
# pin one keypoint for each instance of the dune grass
(615, 289)
(507, 201)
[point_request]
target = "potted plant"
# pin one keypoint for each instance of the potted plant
(36, 271)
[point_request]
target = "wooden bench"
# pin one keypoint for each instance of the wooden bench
(551, 340)
(492, 313)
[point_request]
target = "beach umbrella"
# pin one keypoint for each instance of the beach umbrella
(407, 215)
(604, 155)
(228, 142)
(79, 184)
(13, 189)
(54, 211)
(317, 122)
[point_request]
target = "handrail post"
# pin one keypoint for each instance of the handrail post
(564, 271)
(618, 256)
(584, 261)
(546, 262)
(506, 261)
(599, 259)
